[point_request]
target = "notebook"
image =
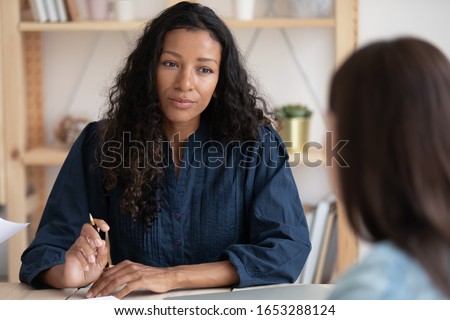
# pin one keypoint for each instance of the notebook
(273, 292)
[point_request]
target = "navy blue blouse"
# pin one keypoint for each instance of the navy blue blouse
(229, 202)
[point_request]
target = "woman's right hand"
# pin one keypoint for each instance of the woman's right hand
(87, 257)
(85, 260)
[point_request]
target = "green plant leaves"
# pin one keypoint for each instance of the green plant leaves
(294, 111)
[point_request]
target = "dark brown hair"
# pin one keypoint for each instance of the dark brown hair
(235, 113)
(391, 101)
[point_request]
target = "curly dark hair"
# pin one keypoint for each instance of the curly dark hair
(134, 108)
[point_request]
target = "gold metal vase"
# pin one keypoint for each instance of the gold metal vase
(295, 132)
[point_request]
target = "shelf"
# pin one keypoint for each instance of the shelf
(138, 25)
(82, 26)
(280, 23)
(43, 156)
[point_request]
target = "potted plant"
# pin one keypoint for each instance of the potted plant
(294, 120)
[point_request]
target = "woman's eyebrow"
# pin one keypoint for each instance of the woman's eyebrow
(203, 59)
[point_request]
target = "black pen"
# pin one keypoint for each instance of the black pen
(91, 219)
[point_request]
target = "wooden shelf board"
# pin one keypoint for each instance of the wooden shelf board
(43, 156)
(28, 26)
(280, 23)
(83, 26)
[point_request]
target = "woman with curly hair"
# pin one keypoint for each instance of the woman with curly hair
(185, 173)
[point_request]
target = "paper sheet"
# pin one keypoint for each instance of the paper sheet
(104, 298)
(8, 229)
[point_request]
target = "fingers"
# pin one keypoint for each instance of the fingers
(102, 225)
(80, 256)
(89, 248)
(112, 279)
(103, 255)
(127, 277)
(90, 242)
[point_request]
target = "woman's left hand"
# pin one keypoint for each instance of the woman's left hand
(129, 276)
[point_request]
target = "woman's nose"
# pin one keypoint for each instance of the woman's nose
(185, 81)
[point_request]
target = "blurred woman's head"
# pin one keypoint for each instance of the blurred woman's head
(391, 101)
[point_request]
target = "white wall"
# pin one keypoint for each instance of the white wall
(391, 18)
(66, 54)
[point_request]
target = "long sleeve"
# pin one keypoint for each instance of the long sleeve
(278, 234)
(76, 192)
(240, 204)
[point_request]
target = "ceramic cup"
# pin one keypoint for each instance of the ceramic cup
(125, 10)
(245, 9)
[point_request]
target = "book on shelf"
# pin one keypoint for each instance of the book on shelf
(330, 265)
(50, 8)
(327, 249)
(77, 10)
(72, 10)
(316, 234)
(61, 10)
(38, 10)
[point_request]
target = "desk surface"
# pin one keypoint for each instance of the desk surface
(270, 292)
(19, 291)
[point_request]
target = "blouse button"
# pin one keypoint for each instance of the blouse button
(177, 242)
(177, 216)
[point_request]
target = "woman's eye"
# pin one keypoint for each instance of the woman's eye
(169, 64)
(205, 70)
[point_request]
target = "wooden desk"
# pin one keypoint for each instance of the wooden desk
(19, 291)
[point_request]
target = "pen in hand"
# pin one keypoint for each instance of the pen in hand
(93, 222)
(94, 225)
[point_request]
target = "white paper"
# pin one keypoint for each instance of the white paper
(104, 298)
(8, 229)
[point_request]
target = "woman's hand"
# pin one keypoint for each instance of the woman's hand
(129, 276)
(85, 260)
(87, 257)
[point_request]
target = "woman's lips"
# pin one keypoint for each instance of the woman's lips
(181, 103)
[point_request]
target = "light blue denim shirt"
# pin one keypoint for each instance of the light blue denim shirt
(386, 273)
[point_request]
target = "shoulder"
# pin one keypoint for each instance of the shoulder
(91, 129)
(86, 142)
(89, 134)
(268, 133)
(386, 273)
(270, 140)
